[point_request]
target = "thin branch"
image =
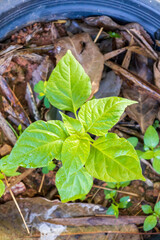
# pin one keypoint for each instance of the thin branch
(15, 201)
(99, 33)
(20, 178)
(149, 165)
(119, 191)
(42, 181)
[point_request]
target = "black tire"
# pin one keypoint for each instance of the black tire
(18, 13)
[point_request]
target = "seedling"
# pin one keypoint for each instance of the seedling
(124, 202)
(151, 221)
(48, 168)
(40, 88)
(113, 193)
(151, 148)
(109, 158)
(114, 34)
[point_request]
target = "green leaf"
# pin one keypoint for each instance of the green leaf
(73, 186)
(157, 208)
(2, 188)
(8, 168)
(149, 223)
(124, 184)
(109, 194)
(68, 86)
(113, 159)
(46, 102)
(151, 138)
(139, 153)
(72, 125)
(45, 170)
(156, 164)
(112, 185)
(147, 209)
(133, 141)
(39, 144)
(113, 210)
(124, 201)
(114, 34)
(39, 87)
(100, 115)
(75, 152)
(148, 154)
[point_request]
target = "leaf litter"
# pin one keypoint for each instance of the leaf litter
(131, 70)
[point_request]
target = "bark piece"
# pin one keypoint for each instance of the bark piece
(5, 149)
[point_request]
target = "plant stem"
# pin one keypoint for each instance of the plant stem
(15, 201)
(15, 133)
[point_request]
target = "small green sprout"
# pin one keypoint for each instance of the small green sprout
(151, 221)
(151, 148)
(114, 34)
(51, 166)
(40, 88)
(124, 202)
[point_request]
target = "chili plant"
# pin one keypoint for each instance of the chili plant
(109, 158)
(151, 221)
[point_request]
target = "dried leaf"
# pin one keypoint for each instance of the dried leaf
(145, 111)
(156, 70)
(110, 85)
(86, 52)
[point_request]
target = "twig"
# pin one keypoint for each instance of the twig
(15, 201)
(99, 33)
(20, 178)
(149, 165)
(42, 181)
(119, 191)
(95, 194)
(7, 130)
(138, 81)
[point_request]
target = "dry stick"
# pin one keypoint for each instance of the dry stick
(114, 53)
(42, 181)
(15, 201)
(99, 33)
(127, 193)
(151, 89)
(20, 178)
(149, 165)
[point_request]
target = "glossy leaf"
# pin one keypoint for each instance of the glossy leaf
(113, 210)
(110, 194)
(147, 209)
(124, 201)
(8, 168)
(39, 144)
(133, 141)
(113, 159)
(156, 164)
(150, 222)
(148, 155)
(73, 186)
(157, 208)
(68, 86)
(100, 115)
(40, 88)
(151, 138)
(2, 188)
(75, 152)
(72, 125)
(46, 102)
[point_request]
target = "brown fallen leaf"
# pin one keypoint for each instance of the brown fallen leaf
(5, 149)
(145, 111)
(156, 70)
(86, 52)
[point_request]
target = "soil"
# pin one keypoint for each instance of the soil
(32, 58)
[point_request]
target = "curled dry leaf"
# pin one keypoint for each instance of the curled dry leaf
(86, 52)
(156, 70)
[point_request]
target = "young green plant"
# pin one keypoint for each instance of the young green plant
(151, 221)
(109, 158)
(151, 148)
